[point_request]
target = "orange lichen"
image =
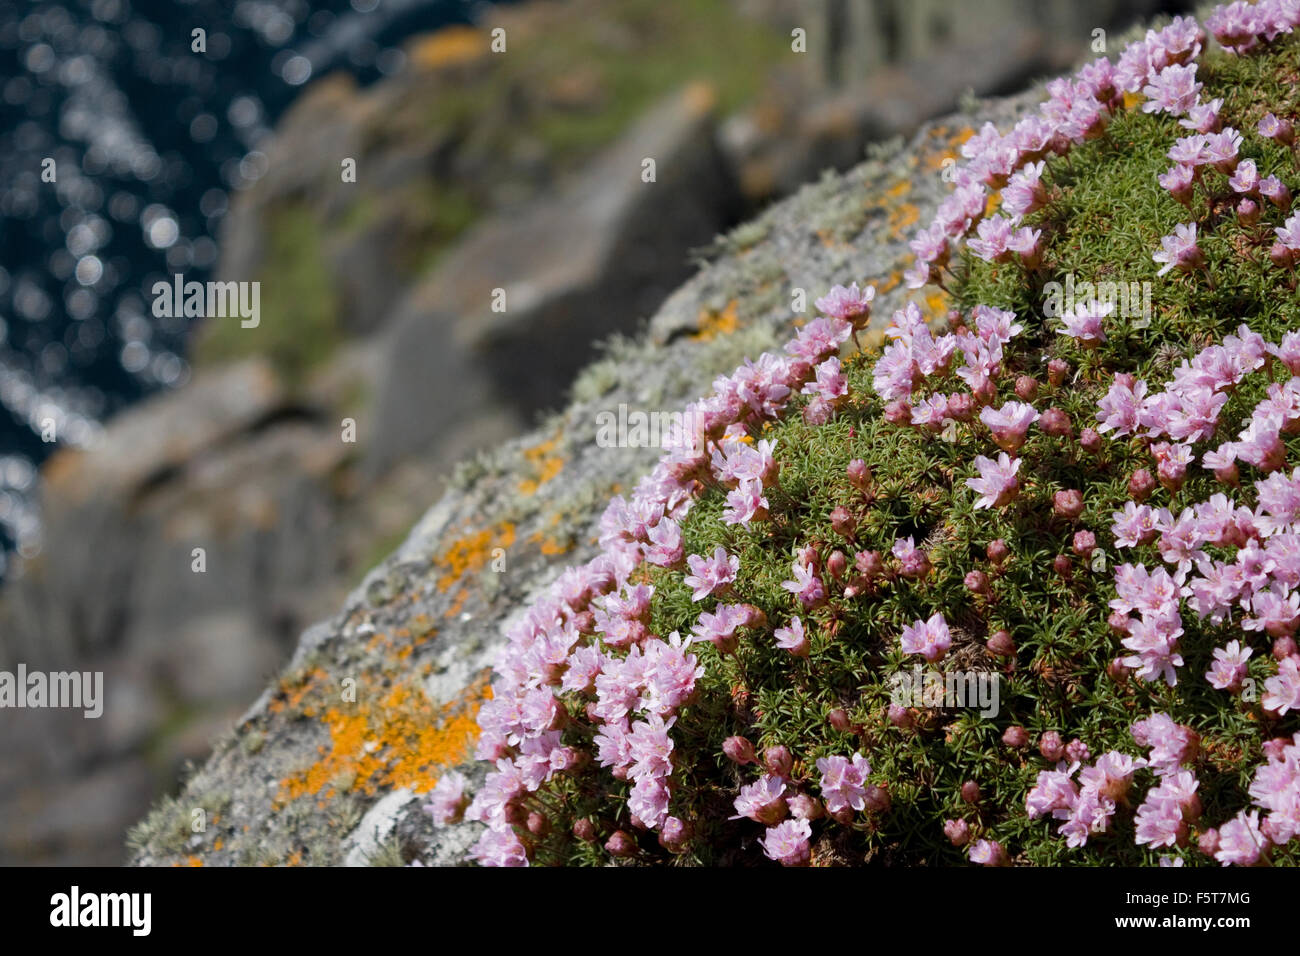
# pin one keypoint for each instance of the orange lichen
(450, 46)
(400, 740)
(291, 696)
(546, 464)
(472, 552)
(714, 322)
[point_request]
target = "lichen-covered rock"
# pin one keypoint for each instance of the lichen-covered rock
(330, 764)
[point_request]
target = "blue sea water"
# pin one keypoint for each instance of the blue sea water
(149, 139)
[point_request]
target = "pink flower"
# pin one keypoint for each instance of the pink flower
(1172, 744)
(1119, 410)
(745, 504)
(913, 561)
(791, 638)
(1084, 323)
(719, 628)
(1178, 181)
(847, 303)
(988, 853)
(787, 843)
(1240, 841)
(711, 575)
(806, 586)
(1162, 818)
(499, 847)
(831, 385)
(762, 801)
(648, 801)
(1276, 788)
(1271, 127)
(1174, 90)
(844, 782)
(997, 484)
(447, 800)
(1053, 792)
(1246, 178)
(931, 639)
(1180, 250)
(1203, 117)
(819, 339)
(1229, 666)
(1282, 692)
(1009, 424)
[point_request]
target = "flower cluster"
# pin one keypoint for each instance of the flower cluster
(603, 718)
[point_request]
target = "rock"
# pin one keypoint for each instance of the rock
(380, 699)
(507, 312)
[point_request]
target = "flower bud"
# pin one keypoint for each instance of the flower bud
(1057, 369)
(844, 815)
(970, 792)
(1141, 484)
(876, 799)
(998, 551)
(752, 616)
(961, 407)
(584, 830)
(900, 717)
(804, 807)
(1056, 422)
(859, 474)
(869, 563)
(1283, 647)
(1090, 441)
(1076, 751)
(674, 835)
(839, 719)
(1117, 671)
(957, 832)
(515, 815)
(977, 582)
(1118, 622)
(1248, 212)
(739, 750)
(898, 412)
(836, 564)
(1016, 737)
(778, 760)
(1026, 388)
(1068, 504)
(1063, 566)
(621, 844)
(842, 522)
(1084, 544)
(1208, 843)
(538, 824)
(1228, 475)
(1282, 256)
(1001, 644)
(1051, 746)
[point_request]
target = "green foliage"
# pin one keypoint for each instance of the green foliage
(1105, 220)
(300, 322)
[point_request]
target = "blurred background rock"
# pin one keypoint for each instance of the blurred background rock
(476, 171)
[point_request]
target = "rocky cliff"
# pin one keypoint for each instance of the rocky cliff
(185, 554)
(328, 765)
